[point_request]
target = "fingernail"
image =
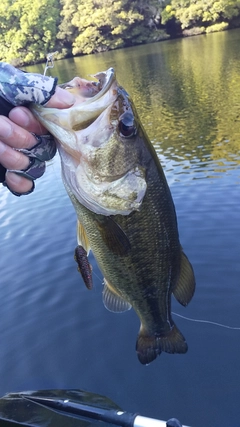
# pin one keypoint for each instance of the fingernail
(18, 183)
(5, 128)
(13, 178)
(2, 147)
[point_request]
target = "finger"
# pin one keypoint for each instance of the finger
(18, 183)
(61, 99)
(12, 159)
(14, 135)
(23, 117)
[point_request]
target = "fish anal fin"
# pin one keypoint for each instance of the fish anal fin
(82, 237)
(149, 346)
(113, 236)
(113, 301)
(185, 286)
(84, 268)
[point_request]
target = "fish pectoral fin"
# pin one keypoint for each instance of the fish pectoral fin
(149, 346)
(84, 267)
(185, 286)
(113, 236)
(113, 301)
(82, 237)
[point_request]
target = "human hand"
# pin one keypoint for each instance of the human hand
(21, 131)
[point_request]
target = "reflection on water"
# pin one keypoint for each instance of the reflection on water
(187, 93)
(56, 334)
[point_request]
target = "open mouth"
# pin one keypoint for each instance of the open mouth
(90, 95)
(92, 98)
(105, 81)
(88, 91)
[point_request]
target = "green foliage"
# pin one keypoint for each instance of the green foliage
(98, 25)
(217, 27)
(167, 14)
(98, 30)
(29, 29)
(107, 24)
(191, 13)
(67, 32)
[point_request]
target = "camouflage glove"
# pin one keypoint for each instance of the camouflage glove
(43, 150)
(19, 88)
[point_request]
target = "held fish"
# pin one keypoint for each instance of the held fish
(125, 210)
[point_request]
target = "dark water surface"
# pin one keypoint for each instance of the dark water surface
(54, 333)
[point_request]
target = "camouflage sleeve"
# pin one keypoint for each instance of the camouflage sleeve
(20, 88)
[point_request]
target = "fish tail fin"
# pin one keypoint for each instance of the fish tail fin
(150, 346)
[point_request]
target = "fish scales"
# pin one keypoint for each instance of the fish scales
(128, 218)
(155, 253)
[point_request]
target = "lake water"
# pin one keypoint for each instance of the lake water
(55, 333)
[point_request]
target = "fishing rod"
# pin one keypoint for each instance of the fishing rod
(117, 417)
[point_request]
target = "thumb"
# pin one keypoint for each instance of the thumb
(61, 99)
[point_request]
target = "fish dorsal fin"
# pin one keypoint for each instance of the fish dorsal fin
(113, 301)
(82, 237)
(113, 236)
(185, 287)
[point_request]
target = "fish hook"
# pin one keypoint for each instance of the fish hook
(49, 63)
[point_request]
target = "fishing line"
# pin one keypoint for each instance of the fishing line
(55, 164)
(208, 321)
(97, 276)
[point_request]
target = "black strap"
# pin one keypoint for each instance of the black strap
(5, 108)
(2, 173)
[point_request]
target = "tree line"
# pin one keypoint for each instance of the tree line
(29, 29)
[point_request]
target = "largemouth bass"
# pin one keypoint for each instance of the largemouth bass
(124, 207)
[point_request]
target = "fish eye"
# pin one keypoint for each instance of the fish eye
(127, 126)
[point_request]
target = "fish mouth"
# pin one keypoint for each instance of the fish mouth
(88, 91)
(92, 145)
(105, 81)
(91, 99)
